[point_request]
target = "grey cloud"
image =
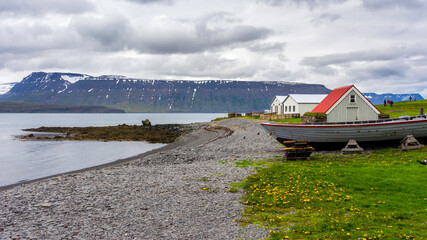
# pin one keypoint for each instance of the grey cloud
(165, 36)
(391, 66)
(107, 33)
(213, 65)
(151, 1)
(68, 59)
(202, 41)
(276, 49)
(41, 7)
(385, 4)
(379, 70)
(325, 19)
(213, 31)
(374, 55)
(325, 71)
(34, 36)
(305, 3)
(267, 47)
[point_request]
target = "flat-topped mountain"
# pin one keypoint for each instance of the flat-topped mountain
(144, 95)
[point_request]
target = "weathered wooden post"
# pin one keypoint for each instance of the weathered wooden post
(421, 111)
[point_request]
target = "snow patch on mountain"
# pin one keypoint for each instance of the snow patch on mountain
(73, 78)
(66, 86)
(5, 87)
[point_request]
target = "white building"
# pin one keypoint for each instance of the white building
(276, 104)
(347, 104)
(301, 103)
(296, 103)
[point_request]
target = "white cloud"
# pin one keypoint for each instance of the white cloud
(377, 45)
(387, 4)
(42, 7)
(152, 1)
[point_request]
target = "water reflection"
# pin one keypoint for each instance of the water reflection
(25, 160)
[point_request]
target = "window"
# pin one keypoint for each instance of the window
(282, 109)
(277, 108)
(286, 108)
(294, 108)
(352, 98)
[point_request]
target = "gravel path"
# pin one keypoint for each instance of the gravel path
(157, 196)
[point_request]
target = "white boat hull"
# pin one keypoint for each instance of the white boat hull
(361, 132)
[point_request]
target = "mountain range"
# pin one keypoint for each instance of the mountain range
(19, 107)
(144, 95)
(148, 95)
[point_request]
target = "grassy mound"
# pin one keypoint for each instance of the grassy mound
(162, 133)
(404, 108)
(371, 196)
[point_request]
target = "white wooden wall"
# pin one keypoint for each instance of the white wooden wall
(347, 112)
(275, 106)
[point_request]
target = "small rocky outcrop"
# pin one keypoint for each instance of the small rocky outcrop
(146, 122)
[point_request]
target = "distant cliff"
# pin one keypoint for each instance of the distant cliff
(141, 95)
(17, 107)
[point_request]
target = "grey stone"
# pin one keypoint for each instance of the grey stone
(157, 197)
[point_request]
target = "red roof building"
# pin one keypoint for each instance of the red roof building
(345, 104)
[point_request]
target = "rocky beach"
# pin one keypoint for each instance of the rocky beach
(175, 192)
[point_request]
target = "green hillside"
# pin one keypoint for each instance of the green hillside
(404, 108)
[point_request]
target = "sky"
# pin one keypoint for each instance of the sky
(378, 45)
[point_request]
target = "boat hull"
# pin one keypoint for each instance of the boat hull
(342, 133)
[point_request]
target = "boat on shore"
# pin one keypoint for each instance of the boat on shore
(375, 132)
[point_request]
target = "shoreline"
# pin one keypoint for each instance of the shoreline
(182, 141)
(179, 191)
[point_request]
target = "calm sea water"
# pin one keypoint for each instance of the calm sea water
(26, 160)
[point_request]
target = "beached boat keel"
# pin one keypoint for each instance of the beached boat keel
(363, 132)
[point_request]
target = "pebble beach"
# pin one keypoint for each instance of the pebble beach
(175, 192)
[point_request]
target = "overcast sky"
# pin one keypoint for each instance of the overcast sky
(378, 45)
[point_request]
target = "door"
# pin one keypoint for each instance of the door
(352, 114)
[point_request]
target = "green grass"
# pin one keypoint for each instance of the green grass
(219, 119)
(243, 117)
(160, 133)
(288, 120)
(256, 164)
(249, 117)
(404, 108)
(233, 190)
(381, 195)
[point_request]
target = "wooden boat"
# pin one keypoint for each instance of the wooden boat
(376, 131)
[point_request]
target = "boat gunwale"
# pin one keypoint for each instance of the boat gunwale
(351, 124)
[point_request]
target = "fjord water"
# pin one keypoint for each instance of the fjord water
(26, 160)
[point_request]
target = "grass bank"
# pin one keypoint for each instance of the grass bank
(160, 133)
(288, 120)
(381, 195)
(404, 108)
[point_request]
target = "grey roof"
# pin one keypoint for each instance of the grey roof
(308, 98)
